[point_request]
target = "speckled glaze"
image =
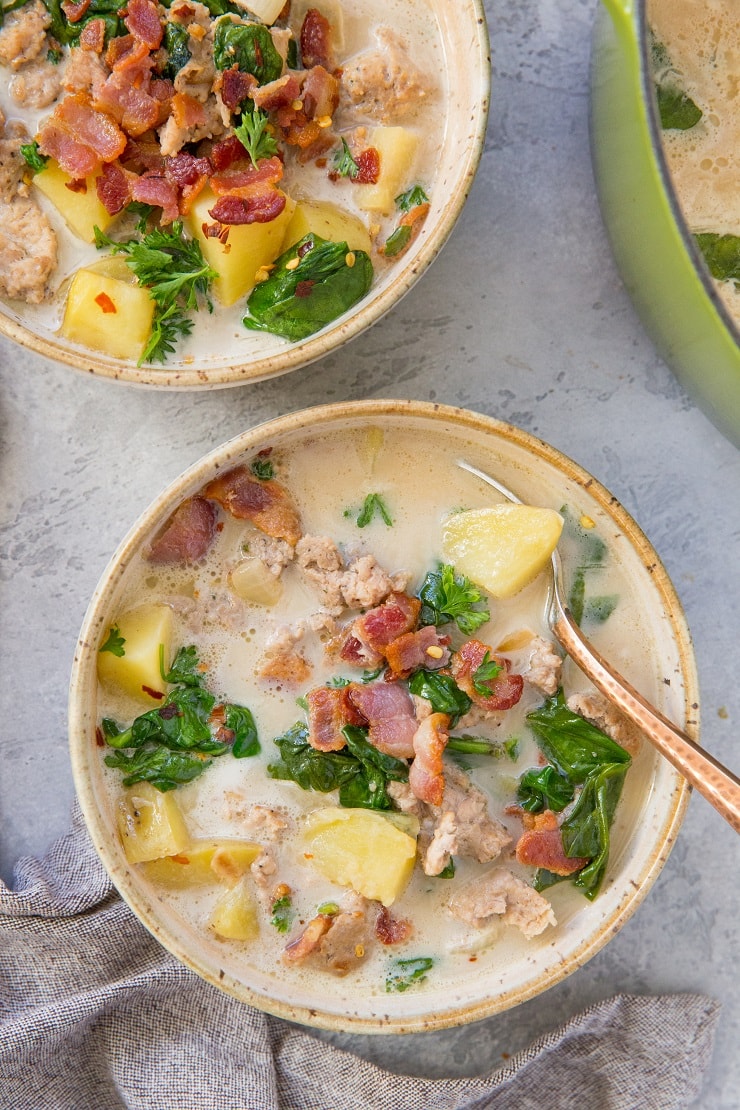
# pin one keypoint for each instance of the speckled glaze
(467, 75)
(524, 463)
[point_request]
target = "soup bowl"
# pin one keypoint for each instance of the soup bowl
(661, 265)
(448, 129)
(396, 462)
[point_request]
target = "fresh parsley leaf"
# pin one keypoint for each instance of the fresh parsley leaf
(33, 157)
(372, 505)
(447, 596)
(344, 163)
(338, 680)
(252, 133)
(282, 913)
(53, 55)
(442, 692)
(404, 973)
(262, 468)
(412, 198)
(488, 670)
(543, 788)
(141, 210)
(167, 327)
(114, 643)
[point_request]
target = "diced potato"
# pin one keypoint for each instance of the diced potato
(82, 210)
(251, 580)
(361, 849)
(234, 916)
(203, 862)
(501, 548)
(112, 314)
(397, 148)
(247, 249)
(137, 671)
(266, 10)
(150, 823)
(324, 218)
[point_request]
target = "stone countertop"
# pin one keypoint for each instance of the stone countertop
(523, 317)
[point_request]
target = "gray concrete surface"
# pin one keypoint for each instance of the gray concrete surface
(523, 317)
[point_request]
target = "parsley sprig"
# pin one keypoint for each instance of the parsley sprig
(252, 133)
(115, 642)
(447, 597)
(489, 670)
(177, 277)
(344, 163)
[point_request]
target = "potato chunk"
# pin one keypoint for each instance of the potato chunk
(501, 548)
(80, 207)
(324, 218)
(397, 148)
(204, 862)
(150, 823)
(248, 247)
(234, 916)
(108, 310)
(361, 849)
(137, 671)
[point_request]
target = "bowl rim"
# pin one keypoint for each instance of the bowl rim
(83, 679)
(297, 355)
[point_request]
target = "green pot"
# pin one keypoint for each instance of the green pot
(661, 266)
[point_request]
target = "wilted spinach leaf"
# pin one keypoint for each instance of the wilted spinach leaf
(721, 254)
(442, 692)
(176, 39)
(677, 110)
(404, 973)
(543, 788)
(248, 46)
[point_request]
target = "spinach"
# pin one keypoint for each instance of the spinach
(721, 254)
(442, 692)
(6, 9)
(169, 745)
(543, 788)
(176, 40)
(250, 47)
(404, 973)
(478, 745)
(586, 757)
(360, 774)
(676, 109)
(313, 282)
(599, 609)
(68, 33)
(591, 554)
(447, 597)
(397, 240)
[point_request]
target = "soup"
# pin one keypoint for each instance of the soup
(695, 61)
(380, 810)
(281, 160)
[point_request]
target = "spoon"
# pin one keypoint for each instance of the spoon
(707, 775)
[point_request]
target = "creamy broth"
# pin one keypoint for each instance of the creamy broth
(329, 476)
(221, 335)
(702, 41)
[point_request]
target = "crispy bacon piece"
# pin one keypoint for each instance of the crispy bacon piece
(226, 152)
(389, 711)
(248, 210)
(386, 622)
(75, 11)
(308, 941)
(329, 710)
(185, 169)
(426, 774)
(248, 180)
(424, 648)
(235, 87)
(506, 689)
(142, 20)
(542, 846)
(187, 535)
(156, 190)
(368, 167)
(143, 154)
(125, 96)
(319, 93)
(92, 36)
(187, 111)
(392, 930)
(267, 504)
(279, 93)
(75, 158)
(286, 666)
(113, 187)
(357, 654)
(315, 40)
(93, 128)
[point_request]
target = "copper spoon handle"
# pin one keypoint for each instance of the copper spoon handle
(707, 775)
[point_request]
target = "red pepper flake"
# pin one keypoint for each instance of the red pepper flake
(368, 167)
(79, 185)
(99, 738)
(152, 693)
(303, 288)
(104, 302)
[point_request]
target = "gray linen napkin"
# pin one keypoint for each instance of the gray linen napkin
(95, 1015)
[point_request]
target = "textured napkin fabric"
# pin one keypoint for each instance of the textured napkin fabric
(95, 1015)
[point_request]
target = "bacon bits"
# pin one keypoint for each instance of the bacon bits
(506, 689)
(542, 846)
(187, 535)
(315, 40)
(426, 777)
(267, 504)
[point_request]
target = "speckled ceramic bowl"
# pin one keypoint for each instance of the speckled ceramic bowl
(650, 812)
(237, 356)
